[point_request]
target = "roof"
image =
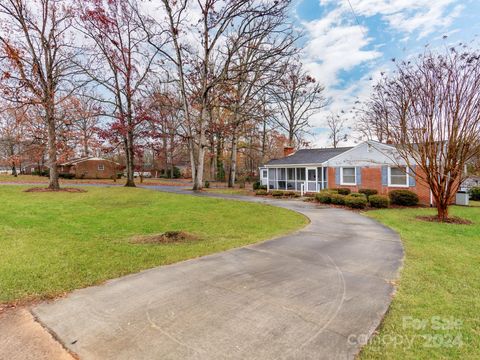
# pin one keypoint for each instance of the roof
(309, 156)
(79, 160)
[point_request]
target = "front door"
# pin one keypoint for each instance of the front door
(311, 180)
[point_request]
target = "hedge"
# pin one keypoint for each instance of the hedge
(403, 197)
(379, 201)
(356, 202)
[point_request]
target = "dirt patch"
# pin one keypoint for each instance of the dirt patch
(451, 220)
(167, 237)
(70, 190)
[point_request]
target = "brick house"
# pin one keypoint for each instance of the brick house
(90, 168)
(369, 165)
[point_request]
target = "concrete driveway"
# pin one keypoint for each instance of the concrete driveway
(309, 295)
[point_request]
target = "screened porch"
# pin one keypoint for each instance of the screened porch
(307, 179)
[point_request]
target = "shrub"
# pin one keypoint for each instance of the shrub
(403, 197)
(358, 195)
(324, 197)
(475, 193)
(337, 199)
(379, 201)
(289, 193)
(261, 192)
(343, 191)
(277, 193)
(258, 186)
(356, 202)
(207, 184)
(368, 192)
(66, 176)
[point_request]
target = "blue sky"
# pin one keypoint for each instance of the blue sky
(348, 43)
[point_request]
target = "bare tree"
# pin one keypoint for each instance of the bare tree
(120, 62)
(223, 28)
(267, 40)
(12, 136)
(337, 129)
(35, 57)
(298, 97)
(432, 108)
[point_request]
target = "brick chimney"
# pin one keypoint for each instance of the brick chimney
(288, 150)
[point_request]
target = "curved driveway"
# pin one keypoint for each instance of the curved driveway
(309, 295)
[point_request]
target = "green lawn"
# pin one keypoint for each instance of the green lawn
(51, 243)
(440, 278)
(229, 191)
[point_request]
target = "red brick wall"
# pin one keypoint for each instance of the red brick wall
(372, 179)
(89, 169)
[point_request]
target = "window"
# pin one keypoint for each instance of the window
(398, 176)
(300, 173)
(291, 174)
(101, 167)
(264, 173)
(348, 176)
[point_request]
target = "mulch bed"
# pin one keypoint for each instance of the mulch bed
(167, 237)
(450, 220)
(70, 190)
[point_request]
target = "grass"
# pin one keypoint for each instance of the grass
(33, 179)
(440, 278)
(229, 191)
(52, 243)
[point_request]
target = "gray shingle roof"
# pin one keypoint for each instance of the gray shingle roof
(309, 156)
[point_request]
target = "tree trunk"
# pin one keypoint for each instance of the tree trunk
(130, 160)
(220, 176)
(52, 148)
(198, 179)
(442, 212)
(14, 169)
(233, 161)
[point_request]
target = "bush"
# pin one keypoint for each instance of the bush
(343, 191)
(66, 176)
(261, 192)
(475, 193)
(337, 199)
(356, 202)
(379, 201)
(256, 185)
(368, 192)
(277, 193)
(358, 195)
(324, 197)
(403, 197)
(289, 193)
(207, 184)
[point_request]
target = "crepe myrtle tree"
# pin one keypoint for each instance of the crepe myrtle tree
(429, 108)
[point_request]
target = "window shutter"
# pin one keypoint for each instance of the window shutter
(358, 175)
(411, 177)
(337, 176)
(385, 175)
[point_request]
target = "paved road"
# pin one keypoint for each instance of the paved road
(309, 295)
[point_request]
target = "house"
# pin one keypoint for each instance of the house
(369, 165)
(31, 168)
(89, 168)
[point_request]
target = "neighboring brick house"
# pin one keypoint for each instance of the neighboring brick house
(90, 168)
(369, 165)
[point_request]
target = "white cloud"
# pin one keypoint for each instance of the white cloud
(424, 16)
(337, 43)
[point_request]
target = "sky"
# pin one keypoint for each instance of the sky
(347, 43)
